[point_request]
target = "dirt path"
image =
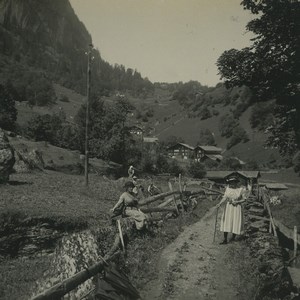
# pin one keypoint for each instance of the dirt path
(193, 267)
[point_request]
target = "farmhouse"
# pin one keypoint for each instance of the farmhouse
(199, 153)
(181, 151)
(208, 152)
(246, 177)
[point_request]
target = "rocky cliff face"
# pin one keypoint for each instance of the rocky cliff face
(44, 34)
(50, 23)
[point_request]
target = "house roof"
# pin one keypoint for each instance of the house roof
(150, 139)
(210, 148)
(217, 174)
(247, 174)
(276, 186)
(183, 145)
(214, 156)
(224, 174)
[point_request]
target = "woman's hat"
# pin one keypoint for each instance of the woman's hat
(129, 184)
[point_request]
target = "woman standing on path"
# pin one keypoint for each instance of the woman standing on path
(232, 220)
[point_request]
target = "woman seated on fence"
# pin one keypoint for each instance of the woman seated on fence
(128, 206)
(232, 220)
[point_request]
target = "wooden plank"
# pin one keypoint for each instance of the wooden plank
(295, 242)
(121, 234)
(157, 197)
(258, 218)
(69, 284)
(295, 275)
(287, 232)
(180, 189)
(175, 204)
(271, 219)
(158, 209)
(168, 201)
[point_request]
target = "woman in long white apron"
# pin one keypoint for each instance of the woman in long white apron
(232, 220)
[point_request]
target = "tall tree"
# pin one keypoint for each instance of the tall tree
(271, 66)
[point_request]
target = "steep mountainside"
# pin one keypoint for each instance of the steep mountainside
(47, 35)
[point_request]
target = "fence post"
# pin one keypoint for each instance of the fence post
(295, 243)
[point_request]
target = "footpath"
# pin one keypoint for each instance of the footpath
(195, 267)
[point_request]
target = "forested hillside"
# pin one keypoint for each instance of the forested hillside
(43, 70)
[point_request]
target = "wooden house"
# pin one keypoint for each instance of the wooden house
(246, 177)
(203, 153)
(181, 151)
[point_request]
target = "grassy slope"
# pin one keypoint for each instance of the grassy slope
(169, 119)
(25, 112)
(51, 194)
(50, 153)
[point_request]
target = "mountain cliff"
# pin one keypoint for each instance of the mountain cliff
(47, 35)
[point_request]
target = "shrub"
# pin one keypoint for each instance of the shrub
(238, 135)
(211, 164)
(175, 168)
(230, 163)
(8, 112)
(262, 115)
(252, 165)
(226, 125)
(205, 114)
(197, 169)
(64, 98)
(206, 138)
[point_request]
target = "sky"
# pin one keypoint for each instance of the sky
(166, 40)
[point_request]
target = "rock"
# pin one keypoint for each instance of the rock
(7, 158)
(27, 161)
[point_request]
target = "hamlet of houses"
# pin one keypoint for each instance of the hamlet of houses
(182, 151)
(199, 153)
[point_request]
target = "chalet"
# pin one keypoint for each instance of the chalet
(208, 152)
(181, 150)
(217, 176)
(245, 177)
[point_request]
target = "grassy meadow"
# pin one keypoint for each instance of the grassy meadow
(64, 199)
(52, 194)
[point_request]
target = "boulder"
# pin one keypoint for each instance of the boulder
(28, 160)
(7, 158)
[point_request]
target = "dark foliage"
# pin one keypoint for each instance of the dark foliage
(8, 112)
(196, 169)
(270, 67)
